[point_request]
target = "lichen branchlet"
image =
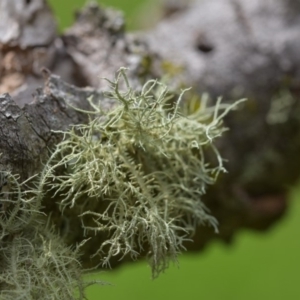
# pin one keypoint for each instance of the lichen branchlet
(138, 171)
(35, 263)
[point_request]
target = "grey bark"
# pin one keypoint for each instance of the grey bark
(232, 48)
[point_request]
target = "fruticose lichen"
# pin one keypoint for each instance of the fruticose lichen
(134, 175)
(138, 171)
(34, 262)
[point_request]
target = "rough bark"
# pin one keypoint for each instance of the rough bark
(233, 48)
(230, 48)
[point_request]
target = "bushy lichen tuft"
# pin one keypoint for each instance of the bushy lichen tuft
(35, 263)
(138, 171)
(19, 206)
(135, 175)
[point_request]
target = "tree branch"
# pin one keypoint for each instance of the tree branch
(250, 49)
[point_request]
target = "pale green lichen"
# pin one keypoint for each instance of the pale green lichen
(281, 107)
(138, 171)
(18, 208)
(35, 263)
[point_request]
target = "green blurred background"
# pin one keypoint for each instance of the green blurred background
(256, 266)
(64, 10)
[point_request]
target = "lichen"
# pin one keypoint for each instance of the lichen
(138, 171)
(34, 261)
(135, 175)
